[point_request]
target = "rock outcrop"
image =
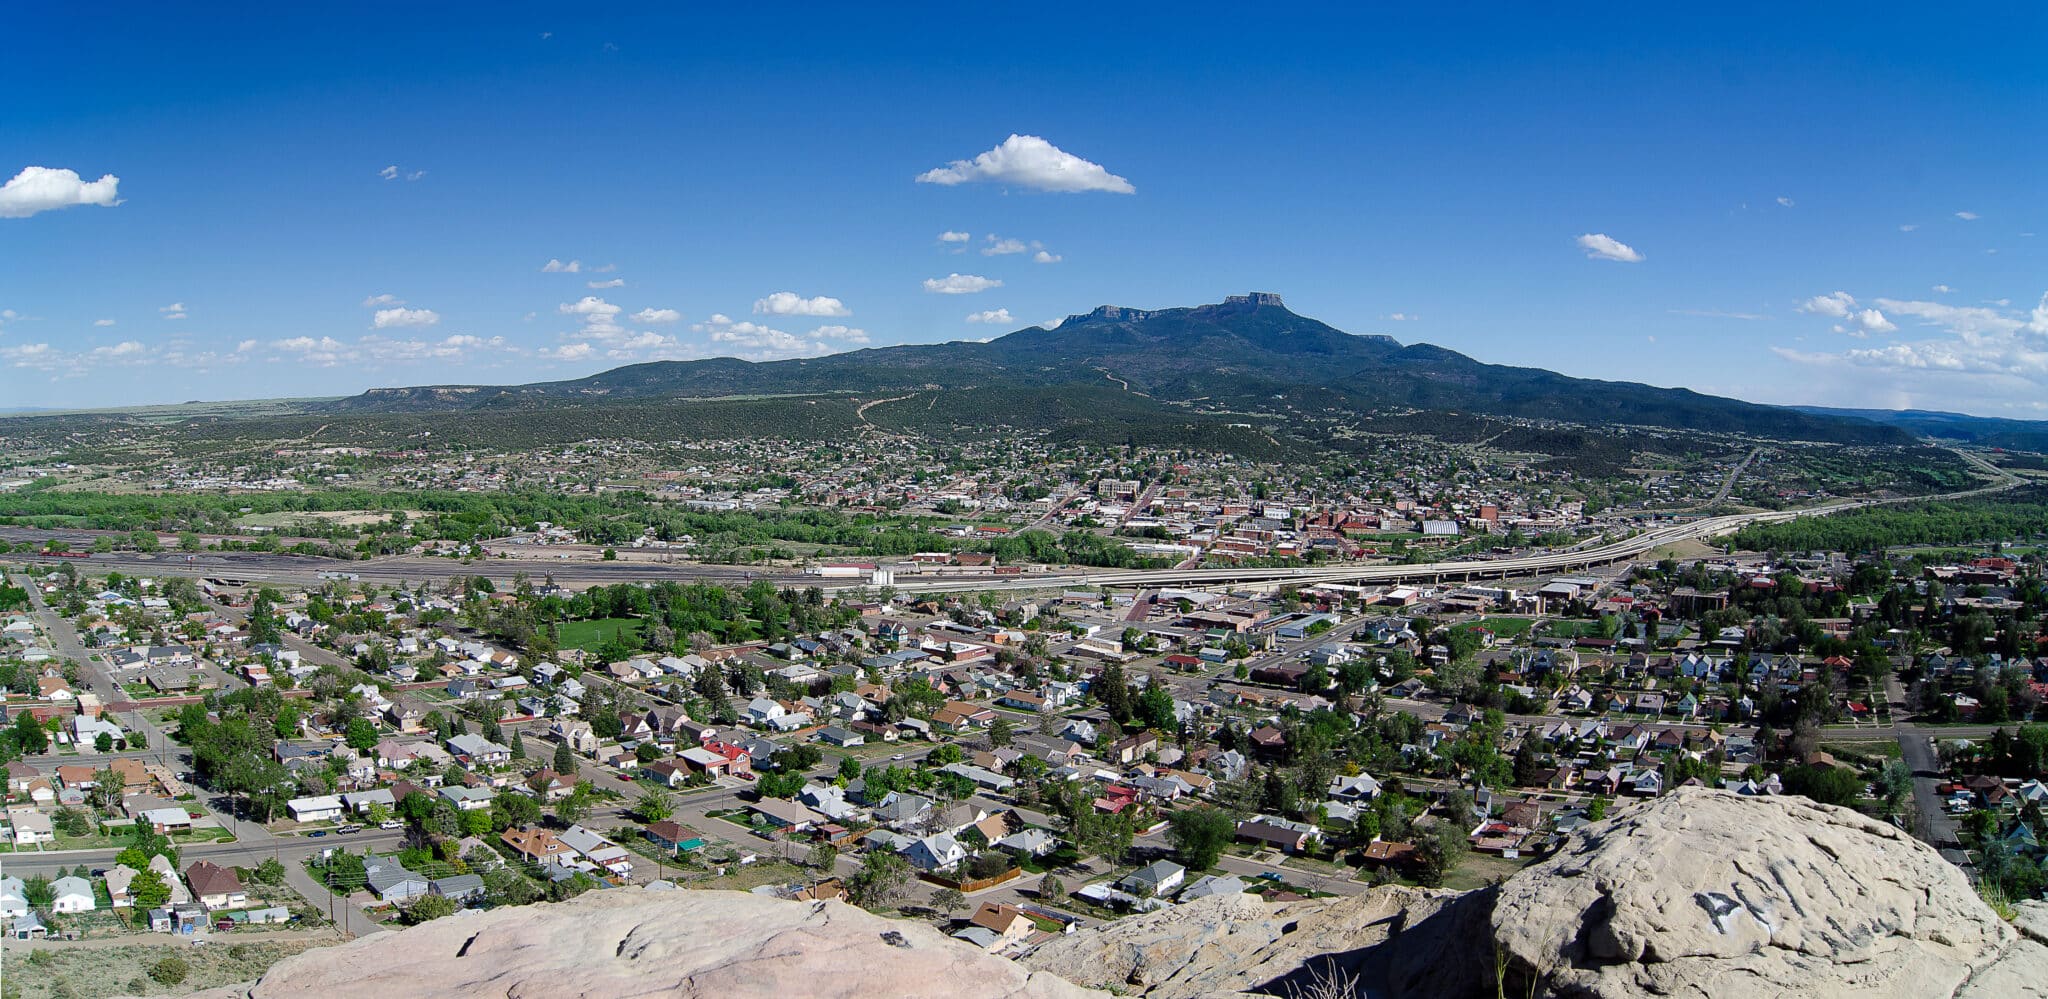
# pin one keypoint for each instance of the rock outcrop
(1707, 893)
(627, 943)
(1699, 893)
(1233, 944)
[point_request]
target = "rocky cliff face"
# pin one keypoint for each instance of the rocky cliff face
(1700, 893)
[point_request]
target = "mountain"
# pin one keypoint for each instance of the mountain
(2024, 435)
(1245, 349)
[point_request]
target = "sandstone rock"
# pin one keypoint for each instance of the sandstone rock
(626, 943)
(1708, 893)
(1233, 944)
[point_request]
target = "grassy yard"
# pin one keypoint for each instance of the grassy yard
(588, 635)
(1481, 869)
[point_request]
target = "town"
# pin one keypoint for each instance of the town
(222, 760)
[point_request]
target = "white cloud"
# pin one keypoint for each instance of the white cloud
(389, 173)
(1750, 317)
(1600, 246)
(613, 283)
(847, 334)
(990, 316)
(588, 305)
(1045, 257)
(1942, 289)
(1909, 227)
(1402, 317)
(568, 352)
(175, 310)
(1029, 161)
(41, 189)
(554, 266)
(1864, 322)
(376, 300)
(998, 247)
(1968, 216)
(1785, 202)
(387, 318)
(657, 316)
(950, 236)
(394, 173)
(1837, 304)
(789, 303)
(103, 322)
(1982, 358)
(960, 284)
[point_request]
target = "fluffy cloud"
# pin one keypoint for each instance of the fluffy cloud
(103, 322)
(1968, 216)
(1600, 246)
(1864, 322)
(1045, 257)
(41, 189)
(1402, 317)
(657, 316)
(950, 236)
(1942, 289)
(990, 316)
(1785, 202)
(376, 301)
(612, 283)
(1978, 358)
(960, 284)
(755, 341)
(388, 318)
(789, 303)
(554, 266)
(394, 173)
(374, 350)
(568, 352)
(998, 246)
(588, 305)
(175, 310)
(1837, 304)
(1029, 161)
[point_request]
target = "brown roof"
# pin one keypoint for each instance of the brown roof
(207, 878)
(998, 916)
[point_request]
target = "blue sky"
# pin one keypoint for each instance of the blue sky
(1830, 205)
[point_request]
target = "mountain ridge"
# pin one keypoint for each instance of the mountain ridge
(1247, 348)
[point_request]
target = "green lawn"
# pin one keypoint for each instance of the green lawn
(588, 635)
(1502, 627)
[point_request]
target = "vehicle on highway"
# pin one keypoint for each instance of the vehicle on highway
(900, 756)
(348, 830)
(317, 833)
(390, 824)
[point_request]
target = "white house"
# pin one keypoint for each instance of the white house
(72, 894)
(318, 808)
(934, 853)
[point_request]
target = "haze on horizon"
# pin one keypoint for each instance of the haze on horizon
(1795, 206)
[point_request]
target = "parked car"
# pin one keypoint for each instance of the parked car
(391, 824)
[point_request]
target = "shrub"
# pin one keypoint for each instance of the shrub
(169, 971)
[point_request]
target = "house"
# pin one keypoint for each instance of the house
(841, 737)
(1156, 879)
(458, 887)
(535, 845)
(595, 848)
(13, 898)
(1008, 922)
(962, 716)
(318, 808)
(1028, 842)
(785, 815)
(215, 887)
(118, 878)
(1214, 884)
(935, 852)
(1269, 832)
(674, 837)
(31, 826)
(72, 894)
(468, 799)
(29, 926)
(577, 735)
(478, 750)
(390, 881)
(179, 893)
